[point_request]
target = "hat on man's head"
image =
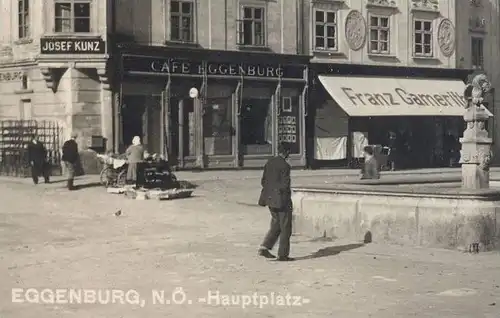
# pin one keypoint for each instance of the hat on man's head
(284, 148)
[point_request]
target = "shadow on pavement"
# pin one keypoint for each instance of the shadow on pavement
(330, 251)
(88, 185)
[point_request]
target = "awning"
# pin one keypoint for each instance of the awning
(389, 96)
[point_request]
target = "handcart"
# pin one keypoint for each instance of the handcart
(114, 172)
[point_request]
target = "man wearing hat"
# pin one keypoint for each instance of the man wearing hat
(70, 158)
(276, 194)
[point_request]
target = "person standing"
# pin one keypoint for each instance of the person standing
(37, 156)
(70, 157)
(370, 168)
(135, 155)
(276, 194)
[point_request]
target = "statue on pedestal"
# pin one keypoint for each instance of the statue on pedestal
(476, 145)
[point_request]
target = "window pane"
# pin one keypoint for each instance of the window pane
(427, 49)
(331, 43)
(186, 7)
(374, 21)
(320, 42)
(384, 22)
(374, 46)
(247, 33)
(63, 10)
(330, 17)
(217, 126)
(427, 25)
(63, 25)
(247, 13)
(258, 13)
(20, 7)
(374, 34)
(418, 48)
(82, 25)
(320, 30)
(384, 46)
(384, 35)
(330, 31)
(186, 23)
(427, 38)
(175, 28)
(418, 38)
(82, 10)
(175, 7)
(418, 25)
(256, 125)
(320, 16)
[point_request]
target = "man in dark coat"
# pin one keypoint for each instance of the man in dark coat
(277, 196)
(70, 158)
(37, 156)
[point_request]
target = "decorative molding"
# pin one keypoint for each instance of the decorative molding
(477, 24)
(49, 75)
(6, 51)
(382, 4)
(425, 5)
(329, 1)
(355, 30)
(103, 78)
(446, 37)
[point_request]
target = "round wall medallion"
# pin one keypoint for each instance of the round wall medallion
(446, 37)
(355, 30)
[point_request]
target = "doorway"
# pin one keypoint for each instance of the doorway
(133, 108)
(182, 131)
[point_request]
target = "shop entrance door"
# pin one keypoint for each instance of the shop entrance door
(153, 130)
(182, 132)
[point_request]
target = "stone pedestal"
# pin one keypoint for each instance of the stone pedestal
(476, 150)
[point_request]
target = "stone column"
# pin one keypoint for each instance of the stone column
(476, 145)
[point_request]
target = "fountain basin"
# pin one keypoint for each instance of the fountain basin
(432, 213)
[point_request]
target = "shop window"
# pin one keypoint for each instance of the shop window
(422, 37)
(477, 53)
(218, 129)
(256, 126)
(181, 21)
(379, 34)
(72, 16)
(325, 32)
(23, 21)
(251, 26)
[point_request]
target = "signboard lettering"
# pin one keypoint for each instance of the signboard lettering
(400, 96)
(71, 46)
(184, 67)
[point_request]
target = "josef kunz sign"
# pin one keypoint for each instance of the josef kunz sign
(71, 46)
(185, 67)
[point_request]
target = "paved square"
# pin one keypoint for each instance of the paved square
(61, 246)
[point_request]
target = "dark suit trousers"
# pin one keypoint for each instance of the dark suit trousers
(281, 227)
(38, 170)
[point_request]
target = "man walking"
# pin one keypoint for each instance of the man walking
(37, 156)
(70, 159)
(277, 196)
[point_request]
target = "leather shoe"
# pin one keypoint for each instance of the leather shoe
(285, 259)
(265, 253)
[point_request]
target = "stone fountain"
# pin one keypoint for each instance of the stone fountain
(425, 210)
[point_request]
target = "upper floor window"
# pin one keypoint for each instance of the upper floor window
(422, 37)
(325, 32)
(477, 53)
(379, 34)
(251, 26)
(23, 21)
(181, 21)
(72, 16)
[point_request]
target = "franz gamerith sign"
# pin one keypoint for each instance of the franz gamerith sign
(165, 66)
(72, 46)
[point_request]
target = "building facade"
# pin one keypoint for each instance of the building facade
(210, 83)
(53, 65)
(381, 68)
(478, 47)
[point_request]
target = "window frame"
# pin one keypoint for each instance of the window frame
(477, 61)
(72, 18)
(325, 25)
(23, 19)
(192, 17)
(423, 32)
(240, 29)
(379, 30)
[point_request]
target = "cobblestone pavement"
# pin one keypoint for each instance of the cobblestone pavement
(54, 239)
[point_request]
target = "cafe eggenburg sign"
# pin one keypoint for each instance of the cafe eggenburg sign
(137, 64)
(72, 46)
(399, 96)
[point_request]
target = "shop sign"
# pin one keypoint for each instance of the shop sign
(72, 46)
(400, 96)
(11, 76)
(288, 124)
(185, 67)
